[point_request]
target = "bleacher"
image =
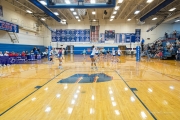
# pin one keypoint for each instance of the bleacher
(168, 47)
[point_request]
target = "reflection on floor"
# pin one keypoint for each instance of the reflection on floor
(125, 90)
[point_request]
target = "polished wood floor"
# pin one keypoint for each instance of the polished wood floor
(138, 90)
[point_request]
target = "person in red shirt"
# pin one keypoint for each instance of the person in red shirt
(23, 54)
(9, 54)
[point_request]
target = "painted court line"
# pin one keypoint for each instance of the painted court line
(138, 98)
(30, 94)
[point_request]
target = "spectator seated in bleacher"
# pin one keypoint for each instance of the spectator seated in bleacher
(23, 54)
(178, 54)
(1, 54)
(32, 53)
(171, 48)
(6, 53)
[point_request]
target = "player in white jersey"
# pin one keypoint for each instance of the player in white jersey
(97, 53)
(119, 54)
(113, 54)
(51, 55)
(84, 53)
(92, 56)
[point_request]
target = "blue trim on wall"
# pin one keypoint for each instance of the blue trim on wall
(19, 47)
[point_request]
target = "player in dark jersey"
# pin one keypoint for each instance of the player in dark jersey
(60, 58)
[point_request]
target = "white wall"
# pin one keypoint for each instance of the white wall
(119, 27)
(176, 27)
(44, 37)
(11, 14)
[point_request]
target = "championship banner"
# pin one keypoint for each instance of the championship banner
(71, 35)
(125, 37)
(102, 38)
(138, 35)
(109, 35)
(10, 27)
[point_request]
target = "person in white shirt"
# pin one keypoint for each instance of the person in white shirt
(84, 53)
(178, 54)
(113, 54)
(92, 56)
(51, 55)
(119, 54)
(1, 54)
(97, 53)
(6, 53)
(63, 51)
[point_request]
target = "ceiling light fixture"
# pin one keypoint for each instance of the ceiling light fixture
(128, 19)
(67, 2)
(71, 9)
(177, 20)
(116, 8)
(28, 11)
(77, 17)
(120, 1)
(114, 12)
(74, 13)
(56, 13)
(111, 20)
(79, 20)
(149, 1)
(137, 12)
(43, 2)
(92, 1)
(43, 19)
(112, 17)
(154, 18)
(94, 20)
(172, 9)
(93, 12)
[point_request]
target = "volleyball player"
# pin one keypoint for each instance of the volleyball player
(97, 53)
(119, 54)
(51, 55)
(108, 54)
(84, 53)
(63, 52)
(92, 56)
(113, 55)
(60, 58)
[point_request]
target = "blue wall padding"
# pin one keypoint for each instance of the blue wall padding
(19, 48)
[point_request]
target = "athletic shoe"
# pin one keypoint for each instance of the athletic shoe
(96, 68)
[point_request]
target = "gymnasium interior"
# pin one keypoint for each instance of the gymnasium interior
(141, 82)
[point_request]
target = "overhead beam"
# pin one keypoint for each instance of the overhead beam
(46, 10)
(148, 8)
(156, 9)
(132, 9)
(63, 14)
(85, 5)
(171, 18)
(122, 11)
